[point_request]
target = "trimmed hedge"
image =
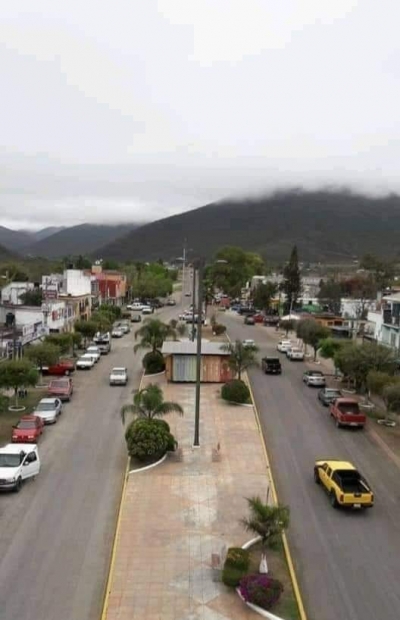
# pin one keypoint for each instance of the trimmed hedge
(236, 391)
(232, 577)
(219, 329)
(236, 565)
(261, 590)
(153, 362)
(149, 439)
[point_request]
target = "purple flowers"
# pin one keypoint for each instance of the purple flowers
(260, 590)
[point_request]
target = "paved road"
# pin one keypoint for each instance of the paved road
(56, 534)
(348, 564)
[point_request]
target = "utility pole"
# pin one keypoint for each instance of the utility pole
(184, 266)
(196, 442)
(193, 303)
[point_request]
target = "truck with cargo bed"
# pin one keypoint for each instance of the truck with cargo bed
(344, 484)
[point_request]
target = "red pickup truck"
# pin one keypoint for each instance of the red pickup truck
(63, 367)
(346, 412)
(61, 388)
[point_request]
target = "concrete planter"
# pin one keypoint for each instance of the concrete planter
(147, 467)
(16, 409)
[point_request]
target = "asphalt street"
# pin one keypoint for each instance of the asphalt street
(56, 534)
(348, 563)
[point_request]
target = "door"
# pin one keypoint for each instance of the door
(30, 466)
(225, 374)
(184, 368)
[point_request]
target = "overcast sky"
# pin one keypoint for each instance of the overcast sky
(134, 110)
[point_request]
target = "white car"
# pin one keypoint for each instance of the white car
(248, 343)
(18, 462)
(137, 305)
(295, 354)
(48, 409)
(117, 332)
(147, 310)
(125, 327)
(85, 362)
(314, 378)
(94, 352)
(283, 345)
(119, 376)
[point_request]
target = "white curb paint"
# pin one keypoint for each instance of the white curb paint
(136, 471)
(261, 612)
(156, 374)
(229, 402)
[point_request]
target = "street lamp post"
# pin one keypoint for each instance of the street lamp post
(193, 304)
(196, 442)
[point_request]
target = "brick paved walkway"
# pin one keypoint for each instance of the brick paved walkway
(176, 515)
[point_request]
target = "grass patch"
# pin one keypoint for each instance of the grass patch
(287, 606)
(9, 418)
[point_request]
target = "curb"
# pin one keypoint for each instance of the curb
(110, 574)
(137, 471)
(156, 374)
(289, 559)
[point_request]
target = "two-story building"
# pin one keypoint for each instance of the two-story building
(111, 285)
(384, 321)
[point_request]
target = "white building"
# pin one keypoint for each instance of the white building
(386, 321)
(11, 293)
(354, 308)
(76, 283)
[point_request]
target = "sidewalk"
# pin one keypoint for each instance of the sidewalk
(177, 514)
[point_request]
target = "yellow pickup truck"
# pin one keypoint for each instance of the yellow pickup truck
(344, 484)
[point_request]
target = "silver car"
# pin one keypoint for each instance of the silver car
(314, 378)
(48, 409)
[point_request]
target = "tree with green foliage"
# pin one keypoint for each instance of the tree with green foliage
(102, 320)
(113, 312)
(356, 361)
(87, 329)
(378, 381)
(152, 334)
(312, 333)
(148, 439)
(330, 295)
(391, 395)
(382, 271)
(33, 297)
(288, 325)
(264, 294)
(232, 268)
(43, 354)
(291, 284)
(62, 341)
(149, 403)
(268, 522)
(18, 374)
(240, 357)
(328, 347)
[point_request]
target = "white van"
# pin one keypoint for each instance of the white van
(18, 462)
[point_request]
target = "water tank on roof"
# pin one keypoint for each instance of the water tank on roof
(10, 319)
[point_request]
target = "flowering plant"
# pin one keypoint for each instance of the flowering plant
(261, 590)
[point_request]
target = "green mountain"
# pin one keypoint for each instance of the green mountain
(325, 225)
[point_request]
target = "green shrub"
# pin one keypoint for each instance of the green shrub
(172, 443)
(238, 558)
(4, 403)
(261, 590)
(147, 439)
(219, 329)
(231, 577)
(153, 362)
(236, 391)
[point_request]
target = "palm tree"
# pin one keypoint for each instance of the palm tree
(149, 403)
(266, 521)
(241, 356)
(152, 334)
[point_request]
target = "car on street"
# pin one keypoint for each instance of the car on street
(258, 317)
(136, 318)
(295, 354)
(48, 409)
(61, 368)
(85, 362)
(117, 332)
(249, 320)
(125, 326)
(284, 345)
(345, 486)
(103, 342)
(347, 412)
(61, 388)
(18, 462)
(147, 310)
(119, 376)
(328, 395)
(94, 351)
(271, 365)
(137, 305)
(314, 378)
(28, 429)
(249, 343)
(171, 302)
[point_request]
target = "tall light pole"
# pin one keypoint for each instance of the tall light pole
(200, 263)
(193, 303)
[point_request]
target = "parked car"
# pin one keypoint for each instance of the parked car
(63, 367)
(346, 412)
(249, 320)
(85, 362)
(328, 395)
(18, 462)
(137, 305)
(28, 429)
(344, 484)
(48, 409)
(258, 317)
(119, 376)
(271, 365)
(284, 345)
(103, 342)
(171, 302)
(61, 388)
(270, 320)
(295, 354)
(249, 343)
(314, 378)
(136, 318)
(126, 328)
(117, 332)
(247, 310)
(94, 351)
(147, 310)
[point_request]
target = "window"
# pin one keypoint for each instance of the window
(31, 458)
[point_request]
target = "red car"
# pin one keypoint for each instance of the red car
(63, 367)
(346, 412)
(28, 429)
(61, 388)
(258, 318)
